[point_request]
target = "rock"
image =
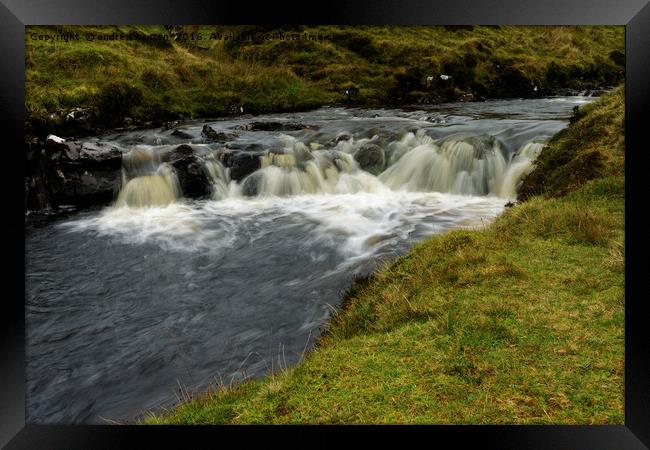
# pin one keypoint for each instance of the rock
(59, 150)
(104, 157)
(509, 205)
(78, 122)
(192, 177)
(371, 158)
(276, 126)
(171, 124)
(466, 97)
(75, 122)
(210, 135)
(52, 139)
(181, 134)
(240, 163)
(81, 174)
(250, 185)
(434, 119)
(343, 136)
(180, 152)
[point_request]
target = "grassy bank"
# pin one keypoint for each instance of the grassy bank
(152, 81)
(520, 322)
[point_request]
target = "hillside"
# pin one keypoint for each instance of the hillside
(140, 81)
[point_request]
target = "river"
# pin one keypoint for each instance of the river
(128, 303)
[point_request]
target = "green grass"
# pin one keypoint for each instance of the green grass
(592, 149)
(521, 322)
(387, 64)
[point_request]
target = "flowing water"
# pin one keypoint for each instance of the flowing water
(126, 304)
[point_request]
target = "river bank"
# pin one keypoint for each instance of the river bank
(78, 88)
(520, 322)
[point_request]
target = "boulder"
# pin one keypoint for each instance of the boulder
(170, 124)
(78, 121)
(181, 134)
(180, 152)
(210, 135)
(240, 163)
(250, 185)
(190, 170)
(81, 174)
(467, 97)
(371, 158)
(192, 177)
(59, 150)
(343, 136)
(105, 157)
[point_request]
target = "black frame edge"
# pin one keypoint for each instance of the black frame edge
(637, 367)
(637, 102)
(12, 343)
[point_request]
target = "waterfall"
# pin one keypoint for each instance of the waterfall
(220, 179)
(521, 165)
(397, 149)
(146, 181)
(471, 165)
(326, 172)
(302, 170)
(455, 167)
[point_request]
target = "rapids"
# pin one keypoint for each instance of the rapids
(127, 303)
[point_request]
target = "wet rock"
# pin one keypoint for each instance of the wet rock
(466, 97)
(343, 136)
(210, 135)
(96, 184)
(77, 121)
(171, 124)
(75, 173)
(371, 158)
(181, 134)
(439, 119)
(100, 156)
(240, 163)
(250, 185)
(190, 170)
(276, 126)
(180, 152)
(59, 150)
(192, 178)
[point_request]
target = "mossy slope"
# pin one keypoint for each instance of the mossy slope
(154, 81)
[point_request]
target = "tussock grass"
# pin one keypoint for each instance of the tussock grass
(519, 322)
(387, 64)
(594, 148)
